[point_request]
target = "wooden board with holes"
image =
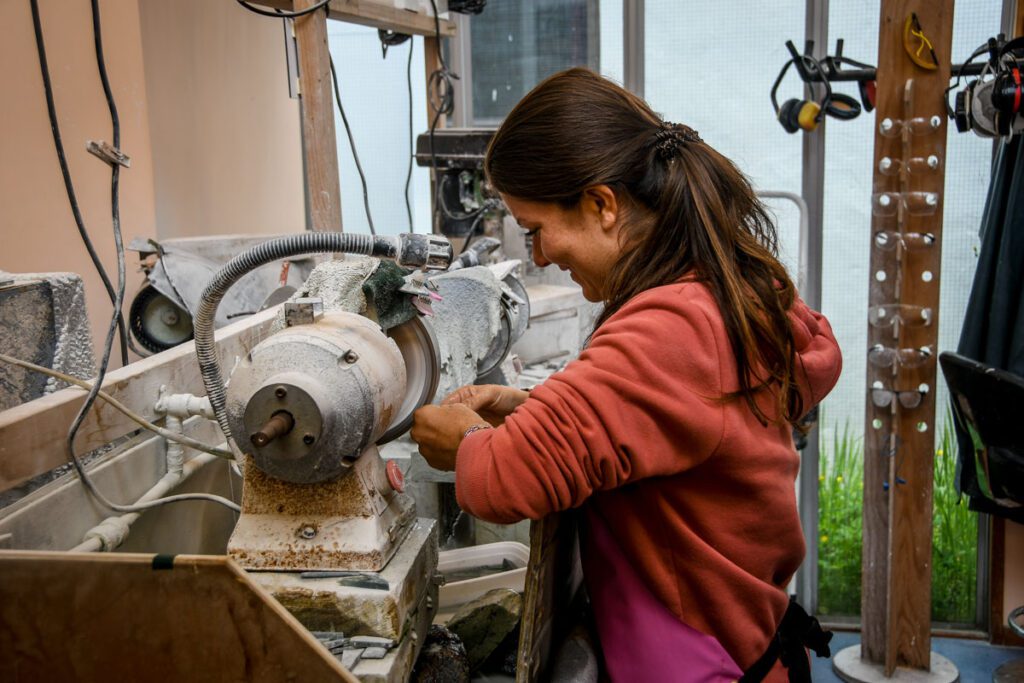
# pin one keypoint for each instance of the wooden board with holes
(33, 435)
(129, 617)
(899, 440)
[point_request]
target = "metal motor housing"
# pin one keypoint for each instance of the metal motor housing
(322, 392)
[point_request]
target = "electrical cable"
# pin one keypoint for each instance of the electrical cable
(117, 405)
(391, 39)
(282, 14)
(443, 103)
(412, 151)
(352, 146)
(66, 172)
(94, 390)
(450, 215)
(472, 233)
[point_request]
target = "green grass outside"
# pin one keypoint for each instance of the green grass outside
(840, 502)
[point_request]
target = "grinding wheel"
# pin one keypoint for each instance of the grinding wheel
(420, 350)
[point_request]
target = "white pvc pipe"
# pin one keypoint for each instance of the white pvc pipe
(111, 532)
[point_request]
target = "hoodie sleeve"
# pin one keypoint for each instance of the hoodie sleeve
(643, 400)
(818, 355)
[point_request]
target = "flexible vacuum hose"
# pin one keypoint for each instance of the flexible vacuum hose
(408, 250)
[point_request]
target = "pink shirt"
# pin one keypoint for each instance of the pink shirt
(640, 639)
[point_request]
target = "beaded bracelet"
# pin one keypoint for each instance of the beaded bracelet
(475, 428)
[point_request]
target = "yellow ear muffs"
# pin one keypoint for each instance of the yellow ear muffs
(808, 116)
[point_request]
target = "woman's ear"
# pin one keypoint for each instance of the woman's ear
(600, 202)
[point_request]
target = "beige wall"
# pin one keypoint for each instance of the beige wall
(202, 93)
(227, 151)
(36, 224)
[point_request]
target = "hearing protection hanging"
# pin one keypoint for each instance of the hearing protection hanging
(991, 105)
(1007, 95)
(799, 114)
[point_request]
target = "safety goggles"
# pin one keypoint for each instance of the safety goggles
(885, 356)
(908, 398)
(908, 315)
(919, 125)
(887, 240)
(915, 203)
(917, 166)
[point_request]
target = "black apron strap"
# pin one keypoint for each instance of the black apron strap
(797, 631)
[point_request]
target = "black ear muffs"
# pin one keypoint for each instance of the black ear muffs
(843, 107)
(798, 114)
(789, 115)
(962, 110)
(1006, 92)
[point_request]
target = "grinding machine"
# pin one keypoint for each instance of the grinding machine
(325, 525)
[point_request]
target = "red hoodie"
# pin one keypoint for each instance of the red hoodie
(695, 493)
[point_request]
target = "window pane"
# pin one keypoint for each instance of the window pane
(694, 76)
(376, 100)
(515, 45)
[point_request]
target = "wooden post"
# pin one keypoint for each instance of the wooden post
(319, 144)
(899, 446)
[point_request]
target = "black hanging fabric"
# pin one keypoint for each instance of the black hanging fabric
(993, 331)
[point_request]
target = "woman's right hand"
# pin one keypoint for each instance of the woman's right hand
(493, 402)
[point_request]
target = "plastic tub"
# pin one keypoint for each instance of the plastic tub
(487, 560)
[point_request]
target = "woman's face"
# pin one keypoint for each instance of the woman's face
(583, 240)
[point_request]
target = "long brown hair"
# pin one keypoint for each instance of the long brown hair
(690, 212)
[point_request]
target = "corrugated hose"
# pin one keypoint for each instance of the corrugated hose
(408, 250)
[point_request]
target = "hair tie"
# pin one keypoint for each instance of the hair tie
(671, 137)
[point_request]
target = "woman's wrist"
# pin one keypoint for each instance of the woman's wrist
(475, 428)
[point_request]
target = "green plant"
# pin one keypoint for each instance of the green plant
(840, 498)
(954, 539)
(840, 505)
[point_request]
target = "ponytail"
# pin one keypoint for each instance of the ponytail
(689, 212)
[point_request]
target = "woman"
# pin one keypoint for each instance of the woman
(673, 430)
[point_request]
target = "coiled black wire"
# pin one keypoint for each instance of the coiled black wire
(62, 159)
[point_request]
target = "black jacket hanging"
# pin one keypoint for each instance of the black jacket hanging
(993, 331)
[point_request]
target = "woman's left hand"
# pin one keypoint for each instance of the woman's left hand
(439, 430)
